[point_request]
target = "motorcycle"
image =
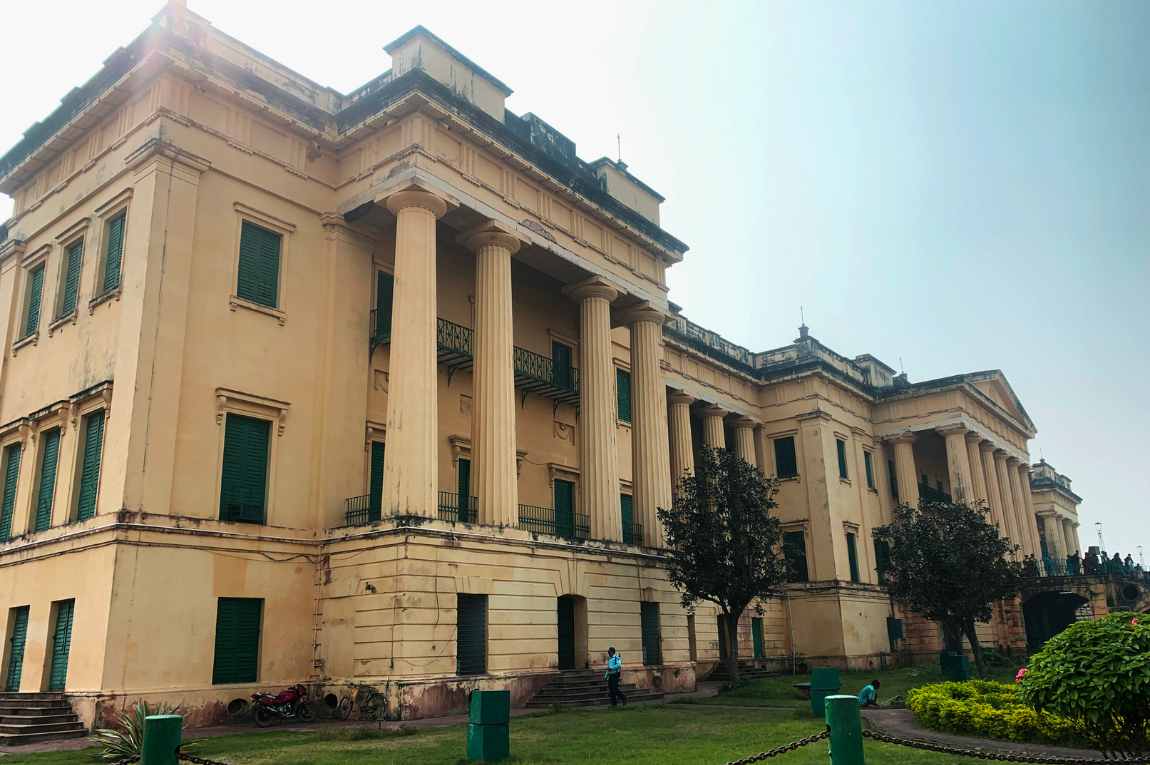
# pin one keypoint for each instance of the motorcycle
(291, 702)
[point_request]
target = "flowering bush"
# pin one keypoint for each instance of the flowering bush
(983, 708)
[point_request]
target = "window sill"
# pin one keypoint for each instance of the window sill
(239, 302)
(794, 478)
(847, 481)
(104, 298)
(31, 339)
(66, 318)
(872, 490)
(623, 423)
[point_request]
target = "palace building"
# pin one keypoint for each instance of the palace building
(385, 388)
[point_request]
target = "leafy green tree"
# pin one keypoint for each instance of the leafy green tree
(1097, 675)
(723, 543)
(949, 565)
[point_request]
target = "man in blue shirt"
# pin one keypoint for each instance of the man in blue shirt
(614, 671)
(868, 697)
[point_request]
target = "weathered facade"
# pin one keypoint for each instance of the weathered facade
(385, 388)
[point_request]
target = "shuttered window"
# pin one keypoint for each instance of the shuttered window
(61, 645)
(35, 290)
(90, 467)
(786, 465)
(384, 298)
(243, 488)
(623, 393)
(376, 488)
(471, 635)
(259, 271)
(882, 558)
(237, 653)
(16, 652)
(627, 510)
(463, 489)
(649, 619)
(47, 489)
(72, 278)
(114, 257)
(795, 556)
(869, 469)
(564, 508)
(841, 446)
(890, 471)
(11, 477)
(757, 636)
(561, 365)
(852, 557)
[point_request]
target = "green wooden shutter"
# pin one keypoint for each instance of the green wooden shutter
(90, 472)
(243, 487)
(623, 394)
(627, 509)
(61, 645)
(47, 479)
(11, 476)
(471, 635)
(841, 446)
(384, 299)
(72, 278)
(35, 288)
(463, 487)
(375, 503)
(757, 636)
(869, 470)
(893, 475)
(852, 557)
(564, 508)
(561, 365)
(115, 255)
(795, 555)
(786, 464)
(16, 652)
(237, 648)
(649, 622)
(259, 269)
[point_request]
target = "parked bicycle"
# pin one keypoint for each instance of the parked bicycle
(372, 704)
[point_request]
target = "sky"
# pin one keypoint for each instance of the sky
(949, 186)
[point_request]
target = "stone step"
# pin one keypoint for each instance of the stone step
(17, 709)
(547, 698)
(31, 696)
(34, 704)
(23, 730)
(19, 719)
(36, 738)
(603, 700)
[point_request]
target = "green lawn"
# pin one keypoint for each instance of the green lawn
(635, 735)
(777, 691)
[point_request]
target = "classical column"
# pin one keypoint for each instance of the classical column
(1026, 505)
(1012, 528)
(904, 467)
(598, 453)
(493, 470)
(1072, 542)
(761, 452)
(411, 470)
(993, 494)
(977, 474)
(682, 450)
(713, 434)
(958, 462)
(650, 446)
(1055, 540)
(745, 440)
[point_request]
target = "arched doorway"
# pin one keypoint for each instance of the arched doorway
(1048, 613)
(571, 614)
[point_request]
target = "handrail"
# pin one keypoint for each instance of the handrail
(544, 370)
(453, 337)
(360, 511)
(449, 509)
(544, 520)
(633, 534)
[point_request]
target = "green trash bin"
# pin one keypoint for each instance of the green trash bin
(488, 733)
(824, 682)
(959, 669)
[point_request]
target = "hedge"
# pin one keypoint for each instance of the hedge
(990, 710)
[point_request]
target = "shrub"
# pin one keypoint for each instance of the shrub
(1097, 675)
(987, 709)
(127, 739)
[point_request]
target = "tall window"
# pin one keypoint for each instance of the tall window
(869, 469)
(375, 488)
(623, 394)
(795, 556)
(464, 487)
(114, 254)
(35, 291)
(786, 465)
(649, 622)
(882, 558)
(564, 500)
(757, 636)
(471, 635)
(74, 259)
(384, 298)
(627, 509)
(11, 477)
(90, 465)
(259, 274)
(243, 488)
(47, 485)
(841, 446)
(561, 365)
(237, 653)
(852, 556)
(893, 476)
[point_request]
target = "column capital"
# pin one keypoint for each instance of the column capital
(973, 438)
(987, 446)
(901, 438)
(492, 232)
(594, 287)
(681, 397)
(645, 311)
(1014, 462)
(740, 423)
(713, 410)
(952, 430)
(402, 200)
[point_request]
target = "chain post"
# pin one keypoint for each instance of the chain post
(162, 736)
(845, 725)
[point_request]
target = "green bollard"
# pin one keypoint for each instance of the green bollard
(162, 736)
(846, 730)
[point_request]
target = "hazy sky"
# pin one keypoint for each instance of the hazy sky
(957, 185)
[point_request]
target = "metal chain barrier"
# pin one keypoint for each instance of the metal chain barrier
(991, 756)
(127, 760)
(197, 760)
(787, 748)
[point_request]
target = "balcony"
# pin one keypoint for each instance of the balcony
(543, 520)
(454, 346)
(450, 508)
(360, 511)
(539, 374)
(932, 495)
(632, 534)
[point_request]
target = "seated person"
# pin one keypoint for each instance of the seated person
(868, 696)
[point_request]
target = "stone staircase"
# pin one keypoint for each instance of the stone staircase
(722, 672)
(29, 718)
(585, 688)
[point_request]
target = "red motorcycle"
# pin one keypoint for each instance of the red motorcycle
(291, 702)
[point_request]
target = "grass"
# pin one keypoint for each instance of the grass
(777, 691)
(635, 735)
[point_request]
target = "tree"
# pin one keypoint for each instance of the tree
(723, 543)
(948, 564)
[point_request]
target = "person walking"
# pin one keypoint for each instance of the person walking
(614, 672)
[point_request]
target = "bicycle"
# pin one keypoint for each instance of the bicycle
(372, 704)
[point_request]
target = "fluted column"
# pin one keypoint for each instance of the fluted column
(904, 467)
(682, 449)
(1055, 539)
(493, 469)
(993, 495)
(1013, 530)
(958, 462)
(977, 475)
(1072, 543)
(1026, 505)
(745, 440)
(412, 466)
(650, 443)
(598, 452)
(713, 433)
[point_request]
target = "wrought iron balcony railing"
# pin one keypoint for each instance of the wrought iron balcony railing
(451, 509)
(934, 495)
(360, 511)
(633, 534)
(539, 374)
(544, 520)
